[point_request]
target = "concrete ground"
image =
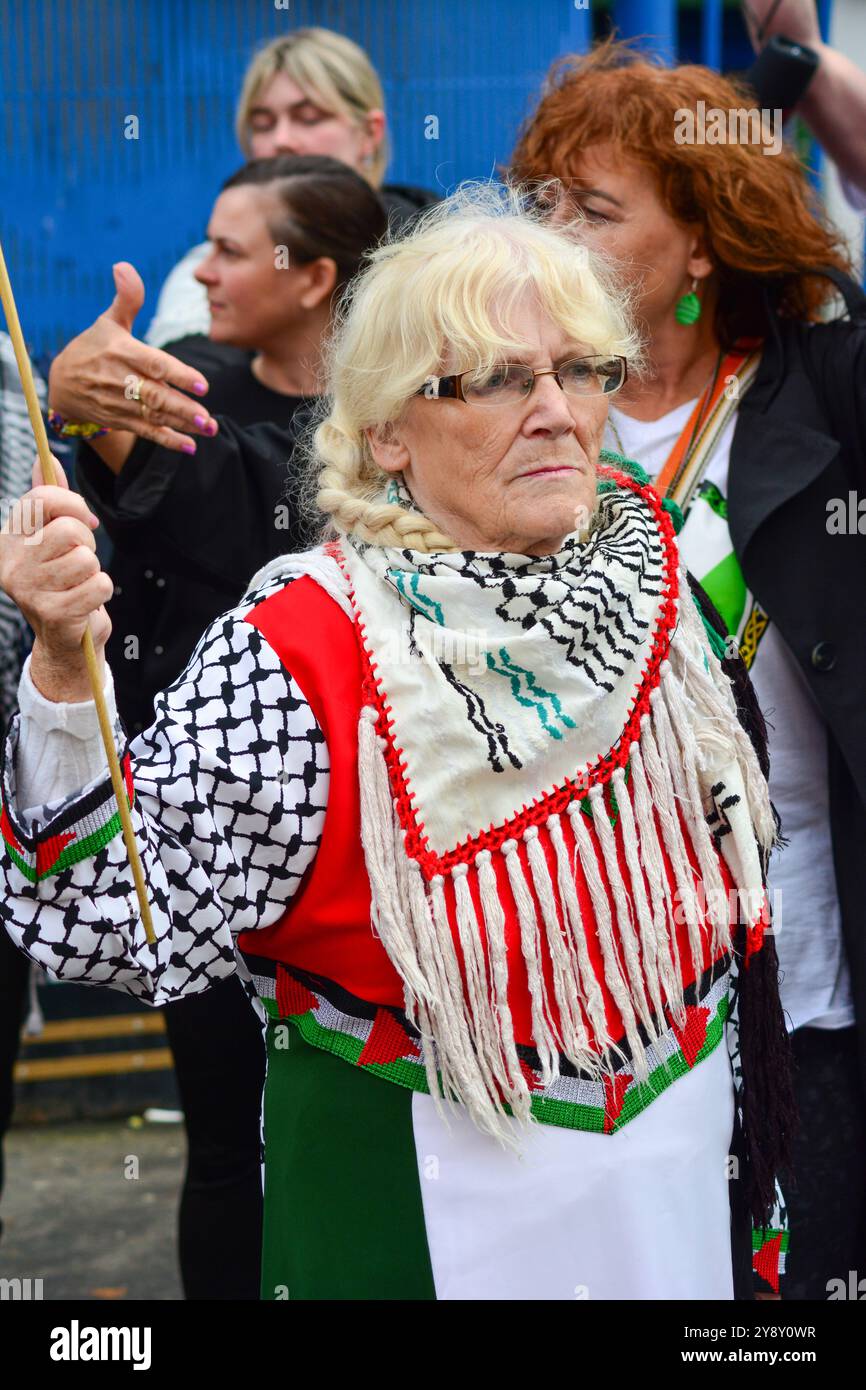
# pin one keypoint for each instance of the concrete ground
(91, 1209)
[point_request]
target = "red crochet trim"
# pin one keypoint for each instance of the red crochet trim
(755, 933)
(559, 798)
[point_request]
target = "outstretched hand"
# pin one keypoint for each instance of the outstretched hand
(107, 376)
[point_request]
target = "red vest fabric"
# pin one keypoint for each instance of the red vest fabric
(326, 929)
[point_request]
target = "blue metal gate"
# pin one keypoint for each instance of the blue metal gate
(76, 193)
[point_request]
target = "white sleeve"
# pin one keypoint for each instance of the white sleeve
(182, 307)
(854, 195)
(228, 789)
(59, 745)
(16, 467)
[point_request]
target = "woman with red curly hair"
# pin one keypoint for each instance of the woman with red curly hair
(752, 416)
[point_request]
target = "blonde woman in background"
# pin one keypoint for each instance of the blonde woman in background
(312, 92)
(464, 796)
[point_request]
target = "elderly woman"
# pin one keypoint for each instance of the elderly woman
(464, 796)
(752, 417)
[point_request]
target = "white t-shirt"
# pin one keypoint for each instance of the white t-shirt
(815, 981)
(854, 195)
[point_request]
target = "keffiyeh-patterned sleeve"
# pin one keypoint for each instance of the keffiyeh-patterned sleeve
(228, 790)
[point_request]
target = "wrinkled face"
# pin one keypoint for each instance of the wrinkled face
(626, 218)
(517, 477)
(253, 296)
(283, 120)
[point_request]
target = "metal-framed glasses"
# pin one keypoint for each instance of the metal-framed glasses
(508, 382)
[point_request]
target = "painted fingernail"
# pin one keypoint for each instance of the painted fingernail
(212, 428)
(188, 448)
(200, 421)
(199, 388)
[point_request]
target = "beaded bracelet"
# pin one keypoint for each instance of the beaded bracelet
(75, 429)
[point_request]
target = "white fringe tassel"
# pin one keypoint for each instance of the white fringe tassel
(649, 944)
(604, 926)
(689, 743)
(589, 989)
(573, 1038)
(530, 942)
(667, 949)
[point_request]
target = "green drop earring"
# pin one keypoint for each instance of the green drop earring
(688, 309)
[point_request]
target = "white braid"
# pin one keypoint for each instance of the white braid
(353, 501)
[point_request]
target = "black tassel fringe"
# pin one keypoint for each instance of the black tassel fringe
(768, 1108)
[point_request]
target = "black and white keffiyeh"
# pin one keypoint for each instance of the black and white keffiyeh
(527, 667)
(508, 697)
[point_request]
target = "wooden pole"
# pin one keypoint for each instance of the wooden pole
(49, 475)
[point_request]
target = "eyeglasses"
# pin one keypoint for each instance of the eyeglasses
(508, 382)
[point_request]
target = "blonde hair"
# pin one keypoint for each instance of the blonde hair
(328, 68)
(454, 283)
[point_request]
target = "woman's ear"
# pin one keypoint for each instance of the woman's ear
(387, 448)
(322, 281)
(700, 263)
(374, 130)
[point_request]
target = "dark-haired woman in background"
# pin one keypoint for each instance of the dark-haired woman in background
(287, 234)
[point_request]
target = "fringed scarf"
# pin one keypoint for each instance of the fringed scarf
(503, 692)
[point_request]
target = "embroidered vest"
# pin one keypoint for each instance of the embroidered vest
(322, 966)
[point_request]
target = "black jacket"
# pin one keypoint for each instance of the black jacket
(799, 445)
(189, 533)
(403, 202)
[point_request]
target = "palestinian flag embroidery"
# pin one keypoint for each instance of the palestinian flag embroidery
(77, 834)
(769, 1251)
(502, 691)
(385, 1043)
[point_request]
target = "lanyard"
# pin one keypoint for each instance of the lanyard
(688, 459)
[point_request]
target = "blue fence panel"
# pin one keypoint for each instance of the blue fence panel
(711, 33)
(76, 194)
(653, 20)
